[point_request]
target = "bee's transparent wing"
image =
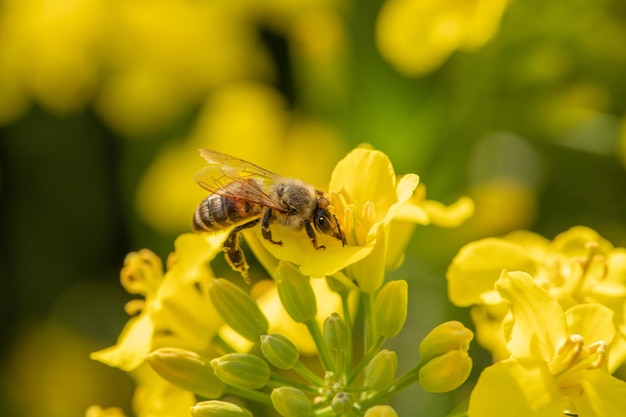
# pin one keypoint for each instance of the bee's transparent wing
(237, 179)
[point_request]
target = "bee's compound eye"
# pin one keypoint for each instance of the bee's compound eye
(321, 222)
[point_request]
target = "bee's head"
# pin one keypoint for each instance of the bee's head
(326, 222)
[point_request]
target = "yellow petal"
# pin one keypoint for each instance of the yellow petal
(520, 387)
(155, 397)
(602, 395)
(488, 322)
(406, 187)
(369, 272)
(477, 266)
(593, 322)
(366, 175)
(539, 323)
(449, 216)
(573, 242)
(297, 249)
(134, 343)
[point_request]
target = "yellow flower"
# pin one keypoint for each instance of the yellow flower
(49, 50)
(368, 200)
(417, 36)
(577, 267)
(176, 311)
(558, 359)
(168, 56)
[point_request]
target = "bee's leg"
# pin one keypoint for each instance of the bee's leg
(265, 227)
(233, 253)
(311, 234)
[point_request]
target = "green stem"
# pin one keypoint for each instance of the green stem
(406, 379)
(223, 344)
(322, 347)
(347, 365)
(366, 359)
(249, 394)
(281, 381)
(368, 313)
(307, 374)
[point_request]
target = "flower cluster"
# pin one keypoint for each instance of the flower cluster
(552, 314)
(200, 337)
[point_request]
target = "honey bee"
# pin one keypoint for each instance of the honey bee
(244, 195)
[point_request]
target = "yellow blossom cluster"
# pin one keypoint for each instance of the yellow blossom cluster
(191, 327)
(552, 315)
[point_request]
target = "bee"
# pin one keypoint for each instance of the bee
(244, 195)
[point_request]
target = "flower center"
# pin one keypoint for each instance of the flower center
(572, 357)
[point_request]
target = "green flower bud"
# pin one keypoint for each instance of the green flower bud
(279, 351)
(290, 402)
(187, 370)
(448, 336)
(390, 307)
(445, 372)
(381, 411)
(339, 287)
(238, 309)
(295, 293)
(218, 409)
(336, 332)
(342, 403)
(242, 370)
(381, 371)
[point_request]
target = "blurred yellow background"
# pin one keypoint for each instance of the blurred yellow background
(103, 104)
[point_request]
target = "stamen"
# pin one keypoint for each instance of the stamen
(598, 348)
(567, 354)
(134, 307)
(369, 213)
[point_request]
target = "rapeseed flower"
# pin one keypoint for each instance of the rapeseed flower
(577, 267)
(417, 36)
(368, 200)
(176, 310)
(558, 362)
(209, 336)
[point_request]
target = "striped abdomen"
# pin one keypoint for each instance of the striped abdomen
(218, 213)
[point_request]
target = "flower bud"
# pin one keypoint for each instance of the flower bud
(290, 402)
(338, 286)
(295, 293)
(342, 403)
(390, 308)
(381, 371)
(242, 370)
(448, 336)
(238, 309)
(336, 332)
(381, 411)
(218, 409)
(445, 372)
(187, 370)
(279, 351)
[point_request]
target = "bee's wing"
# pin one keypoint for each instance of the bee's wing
(252, 180)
